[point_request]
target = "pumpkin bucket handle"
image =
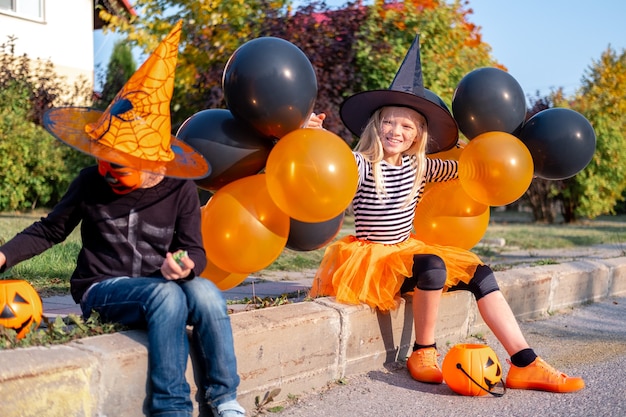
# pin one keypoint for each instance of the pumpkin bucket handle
(495, 394)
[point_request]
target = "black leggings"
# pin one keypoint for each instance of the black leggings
(429, 274)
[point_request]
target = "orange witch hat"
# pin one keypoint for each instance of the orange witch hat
(135, 130)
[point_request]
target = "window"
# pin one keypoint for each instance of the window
(29, 9)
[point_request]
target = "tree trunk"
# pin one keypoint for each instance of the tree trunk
(541, 201)
(568, 198)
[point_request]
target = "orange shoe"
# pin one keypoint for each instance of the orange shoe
(422, 365)
(541, 376)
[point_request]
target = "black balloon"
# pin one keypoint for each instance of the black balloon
(561, 141)
(233, 149)
(311, 236)
(270, 84)
(486, 100)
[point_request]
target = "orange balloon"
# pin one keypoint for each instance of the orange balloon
(230, 281)
(461, 232)
(448, 199)
(223, 280)
(495, 168)
(243, 230)
(311, 175)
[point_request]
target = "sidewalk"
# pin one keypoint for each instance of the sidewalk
(295, 285)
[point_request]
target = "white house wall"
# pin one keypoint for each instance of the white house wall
(65, 37)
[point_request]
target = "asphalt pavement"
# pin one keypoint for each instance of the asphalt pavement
(587, 341)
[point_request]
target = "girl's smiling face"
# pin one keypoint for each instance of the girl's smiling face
(399, 129)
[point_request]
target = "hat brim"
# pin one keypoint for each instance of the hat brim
(67, 124)
(443, 132)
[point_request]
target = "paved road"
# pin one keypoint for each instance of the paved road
(589, 341)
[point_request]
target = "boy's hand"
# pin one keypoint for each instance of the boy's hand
(177, 265)
(178, 257)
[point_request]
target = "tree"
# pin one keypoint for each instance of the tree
(352, 48)
(120, 68)
(213, 30)
(327, 37)
(450, 45)
(357, 47)
(35, 168)
(602, 100)
(600, 186)
(543, 195)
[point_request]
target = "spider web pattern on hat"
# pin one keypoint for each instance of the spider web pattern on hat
(135, 129)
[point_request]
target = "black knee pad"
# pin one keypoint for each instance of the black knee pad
(482, 283)
(429, 274)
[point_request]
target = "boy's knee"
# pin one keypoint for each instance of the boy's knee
(202, 293)
(168, 296)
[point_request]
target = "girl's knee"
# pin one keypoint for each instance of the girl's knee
(483, 283)
(429, 272)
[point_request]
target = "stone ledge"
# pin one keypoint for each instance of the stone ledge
(294, 347)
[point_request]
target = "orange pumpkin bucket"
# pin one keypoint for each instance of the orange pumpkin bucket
(20, 306)
(472, 369)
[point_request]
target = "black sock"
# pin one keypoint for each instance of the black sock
(523, 358)
(417, 346)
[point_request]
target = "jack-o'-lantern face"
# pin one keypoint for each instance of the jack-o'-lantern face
(20, 306)
(122, 180)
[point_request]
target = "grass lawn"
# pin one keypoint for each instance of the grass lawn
(528, 235)
(49, 272)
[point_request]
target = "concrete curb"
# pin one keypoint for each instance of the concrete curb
(295, 347)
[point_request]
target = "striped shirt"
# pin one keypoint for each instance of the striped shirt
(387, 219)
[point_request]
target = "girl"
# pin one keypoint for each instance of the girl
(384, 258)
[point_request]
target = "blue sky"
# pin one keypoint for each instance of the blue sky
(544, 44)
(550, 43)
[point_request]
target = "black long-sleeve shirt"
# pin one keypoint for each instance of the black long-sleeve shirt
(122, 235)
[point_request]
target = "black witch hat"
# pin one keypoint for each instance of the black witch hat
(406, 90)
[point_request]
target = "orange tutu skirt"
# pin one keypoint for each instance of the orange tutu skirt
(360, 271)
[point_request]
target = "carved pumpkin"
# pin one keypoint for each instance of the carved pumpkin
(20, 306)
(471, 369)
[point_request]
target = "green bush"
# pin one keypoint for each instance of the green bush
(35, 168)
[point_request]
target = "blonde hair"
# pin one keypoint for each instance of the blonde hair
(371, 147)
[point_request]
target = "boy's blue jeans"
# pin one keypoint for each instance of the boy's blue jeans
(165, 308)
